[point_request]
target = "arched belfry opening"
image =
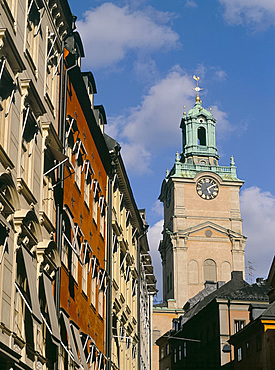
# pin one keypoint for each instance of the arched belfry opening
(201, 136)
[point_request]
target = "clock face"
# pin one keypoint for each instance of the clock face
(207, 188)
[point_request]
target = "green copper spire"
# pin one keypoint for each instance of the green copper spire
(199, 152)
(198, 133)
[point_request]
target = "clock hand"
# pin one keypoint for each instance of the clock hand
(209, 187)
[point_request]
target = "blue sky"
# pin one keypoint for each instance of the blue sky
(143, 54)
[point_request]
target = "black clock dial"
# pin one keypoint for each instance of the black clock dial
(207, 188)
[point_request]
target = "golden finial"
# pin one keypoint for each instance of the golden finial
(198, 89)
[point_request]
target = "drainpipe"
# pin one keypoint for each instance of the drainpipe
(229, 326)
(60, 178)
(109, 271)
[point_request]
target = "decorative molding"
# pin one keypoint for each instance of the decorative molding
(5, 159)
(23, 189)
(9, 50)
(46, 222)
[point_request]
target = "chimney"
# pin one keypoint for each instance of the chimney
(237, 275)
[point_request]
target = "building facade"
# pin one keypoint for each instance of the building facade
(199, 338)
(133, 281)
(202, 232)
(83, 278)
(253, 346)
(30, 53)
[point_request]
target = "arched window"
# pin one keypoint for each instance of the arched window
(201, 136)
(210, 270)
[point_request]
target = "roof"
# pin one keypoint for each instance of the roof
(198, 110)
(269, 313)
(234, 289)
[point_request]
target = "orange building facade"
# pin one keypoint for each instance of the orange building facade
(83, 279)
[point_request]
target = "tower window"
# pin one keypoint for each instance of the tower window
(210, 270)
(201, 136)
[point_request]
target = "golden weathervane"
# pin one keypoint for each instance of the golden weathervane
(197, 88)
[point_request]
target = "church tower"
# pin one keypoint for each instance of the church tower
(202, 233)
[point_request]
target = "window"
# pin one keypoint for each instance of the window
(167, 349)
(64, 253)
(134, 351)
(10, 7)
(102, 215)
(184, 349)
(84, 277)
(7, 91)
(4, 233)
(30, 131)
(88, 182)
(134, 284)
(78, 167)
(32, 30)
(71, 129)
(201, 136)
(74, 267)
(179, 352)
(95, 209)
(239, 354)
(162, 352)
(210, 270)
(93, 283)
(79, 151)
(93, 291)
(52, 63)
(238, 325)
(175, 355)
(95, 200)
(100, 303)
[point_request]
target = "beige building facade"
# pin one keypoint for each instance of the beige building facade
(202, 231)
(132, 277)
(30, 55)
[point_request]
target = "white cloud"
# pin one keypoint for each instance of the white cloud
(153, 126)
(220, 75)
(147, 130)
(109, 32)
(258, 212)
(154, 236)
(254, 12)
(158, 208)
(190, 4)
(223, 125)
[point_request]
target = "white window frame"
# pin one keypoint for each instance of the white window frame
(100, 303)
(74, 267)
(85, 278)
